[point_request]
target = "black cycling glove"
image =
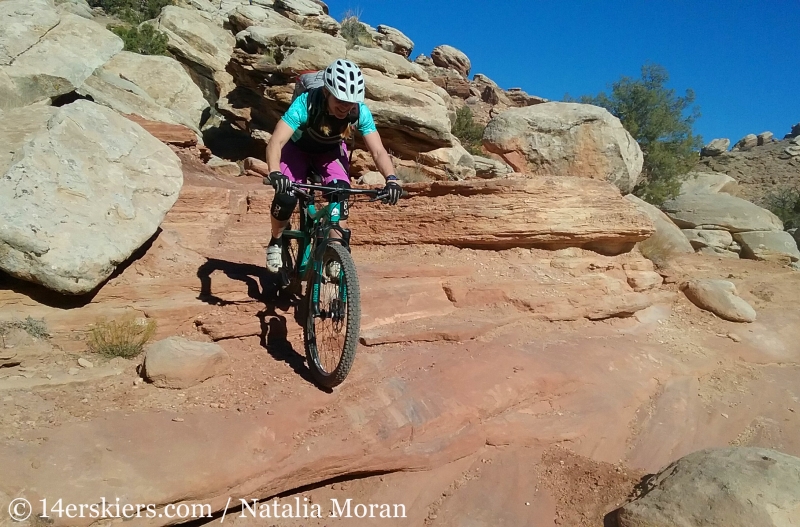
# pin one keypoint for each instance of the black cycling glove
(393, 190)
(279, 182)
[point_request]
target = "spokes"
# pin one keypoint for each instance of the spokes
(331, 326)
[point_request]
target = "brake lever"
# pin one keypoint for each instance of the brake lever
(380, 197)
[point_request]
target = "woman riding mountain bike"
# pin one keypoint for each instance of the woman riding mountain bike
(311, 134)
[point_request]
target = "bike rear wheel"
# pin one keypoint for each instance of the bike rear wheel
(333, 323)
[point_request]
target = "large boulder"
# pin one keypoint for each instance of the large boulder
(44, 55)
(720, 211)
(83, 188)
(667, 241)
(734, 487)
(566, 139)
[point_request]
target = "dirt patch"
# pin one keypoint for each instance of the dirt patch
(585, 491)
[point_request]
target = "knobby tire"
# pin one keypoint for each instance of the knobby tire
(332, 377)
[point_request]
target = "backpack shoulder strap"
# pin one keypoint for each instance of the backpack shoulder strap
(315, 104)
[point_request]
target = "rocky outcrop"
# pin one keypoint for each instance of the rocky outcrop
(548, 212)
(44, 54)
(393, 40)
(200, 44)
(758, 171)
(386, 62)
(566, 139)
(411, 116)
(451, 58)
(245, 16)
(84, 188)
(735, 487)
(308, 14)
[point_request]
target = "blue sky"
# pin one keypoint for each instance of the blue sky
(741, 58)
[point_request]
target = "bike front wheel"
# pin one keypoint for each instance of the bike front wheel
(334, 317)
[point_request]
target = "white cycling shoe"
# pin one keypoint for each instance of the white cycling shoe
(274, 258)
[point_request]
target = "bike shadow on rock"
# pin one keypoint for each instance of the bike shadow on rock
(265, 287)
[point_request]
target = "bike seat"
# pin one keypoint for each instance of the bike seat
(314, 178)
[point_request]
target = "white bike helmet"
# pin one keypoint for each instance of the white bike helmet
(345, 81)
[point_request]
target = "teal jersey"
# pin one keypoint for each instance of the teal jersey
(297, 118)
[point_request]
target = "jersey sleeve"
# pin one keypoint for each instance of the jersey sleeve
(366, 125)
(297, 114)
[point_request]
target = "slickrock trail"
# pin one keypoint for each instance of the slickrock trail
(511, 387)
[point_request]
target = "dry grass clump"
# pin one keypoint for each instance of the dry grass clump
(123, 337)
(35, 327)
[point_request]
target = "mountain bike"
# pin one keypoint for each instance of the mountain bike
(317, 255)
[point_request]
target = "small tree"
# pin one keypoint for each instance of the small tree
(468, 131)
(661, 122)
(785, 204)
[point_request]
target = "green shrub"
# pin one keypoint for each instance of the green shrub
(124, 337)
(144, 40)
(785, 204)
(132, 11)
(658, 120)
(468, 131)
(355, 33)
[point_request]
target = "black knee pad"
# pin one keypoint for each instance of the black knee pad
(341, 197)
(282, 206)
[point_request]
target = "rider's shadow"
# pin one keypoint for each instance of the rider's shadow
(259, 282)
(264, 287)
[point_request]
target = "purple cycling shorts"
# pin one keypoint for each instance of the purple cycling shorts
(332, 166)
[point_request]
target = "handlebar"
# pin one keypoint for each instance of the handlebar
(377, 194)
